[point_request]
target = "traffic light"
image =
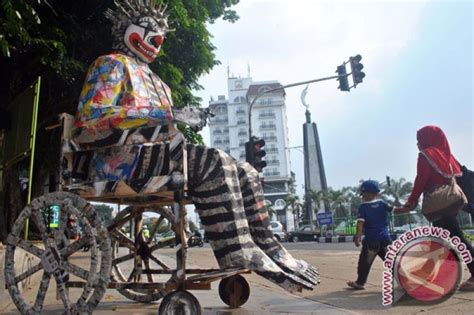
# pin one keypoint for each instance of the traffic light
(343, 81)
(254, 153)
(356, 68)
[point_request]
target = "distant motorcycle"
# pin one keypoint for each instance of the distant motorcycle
(195, 241)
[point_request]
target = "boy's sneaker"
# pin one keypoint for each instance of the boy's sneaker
(355, 285)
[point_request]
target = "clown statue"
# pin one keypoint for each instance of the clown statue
(122, 92)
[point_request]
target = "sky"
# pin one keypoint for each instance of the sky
(418, 60)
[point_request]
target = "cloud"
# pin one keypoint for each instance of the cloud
(293, 41)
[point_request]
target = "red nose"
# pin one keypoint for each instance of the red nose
(157, 41)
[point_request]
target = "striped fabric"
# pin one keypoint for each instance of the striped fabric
(229, 200)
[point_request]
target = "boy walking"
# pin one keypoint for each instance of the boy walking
(372, 218)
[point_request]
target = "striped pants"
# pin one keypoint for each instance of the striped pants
(229, 200)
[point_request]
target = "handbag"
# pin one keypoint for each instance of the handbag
(466, 182)
(445, 200)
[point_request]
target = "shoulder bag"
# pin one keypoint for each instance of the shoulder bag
(445, 200)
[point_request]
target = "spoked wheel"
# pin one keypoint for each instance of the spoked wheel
(57, 257)
(234, 291)
(140, 272)
(180, 302)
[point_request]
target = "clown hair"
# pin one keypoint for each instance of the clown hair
(129, 11)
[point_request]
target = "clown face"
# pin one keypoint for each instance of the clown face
(144, 38)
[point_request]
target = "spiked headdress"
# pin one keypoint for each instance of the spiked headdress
(129, 11)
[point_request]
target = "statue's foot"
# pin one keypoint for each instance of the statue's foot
(288, 281)
(287, 262)
(254, 258)
(297, 267)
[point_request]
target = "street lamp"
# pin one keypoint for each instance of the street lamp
(281, 88)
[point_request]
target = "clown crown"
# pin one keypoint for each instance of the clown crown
(129, 11)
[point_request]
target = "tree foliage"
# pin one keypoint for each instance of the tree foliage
(292, 202)
(105, 213)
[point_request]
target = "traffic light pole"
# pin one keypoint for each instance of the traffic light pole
(284, 87)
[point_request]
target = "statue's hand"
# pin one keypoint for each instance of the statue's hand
(194, 117)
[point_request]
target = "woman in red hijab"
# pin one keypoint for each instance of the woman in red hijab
(436, 165)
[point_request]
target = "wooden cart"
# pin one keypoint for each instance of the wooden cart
(117, 259)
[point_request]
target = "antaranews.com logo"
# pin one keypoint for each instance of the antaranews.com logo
(425, 264)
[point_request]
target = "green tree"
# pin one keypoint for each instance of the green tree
(397, 194)
(315, 198)
(271, 211)
(398, 191)
(293, 202)
(105, 213)
(353, 197)
(337, 200)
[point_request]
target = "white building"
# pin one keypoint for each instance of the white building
(229, 130)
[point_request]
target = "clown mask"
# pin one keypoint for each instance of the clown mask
(144, 38)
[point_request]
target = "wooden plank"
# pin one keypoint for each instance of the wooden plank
(189, 286)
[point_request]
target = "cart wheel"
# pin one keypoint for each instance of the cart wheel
(56, 256)
(135, 260)
(180, 302)
(234, 291)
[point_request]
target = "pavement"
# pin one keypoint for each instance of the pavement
(331, 297)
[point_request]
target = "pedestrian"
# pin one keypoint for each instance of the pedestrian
(372, 219)
(146, 232)
(436, 165)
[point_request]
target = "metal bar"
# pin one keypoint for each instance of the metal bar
(120, 222)
(188, 271)
(284, 87)
(182, 247)
(189, 286)
(34, 124)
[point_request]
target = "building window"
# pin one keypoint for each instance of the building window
(266, 114)
(240, 99)
(280, 203)
(241, 111)
(265, 101)
(221, 109)
(263, 89)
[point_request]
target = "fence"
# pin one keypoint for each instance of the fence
(398, 223)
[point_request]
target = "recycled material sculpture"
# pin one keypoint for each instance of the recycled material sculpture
(121, 92)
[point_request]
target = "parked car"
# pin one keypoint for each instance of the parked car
(304, 234)
(279, 231)
(346, 228)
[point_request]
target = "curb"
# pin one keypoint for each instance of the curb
(336, 239)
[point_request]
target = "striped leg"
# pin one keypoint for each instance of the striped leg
(215, 191)
(260, 229)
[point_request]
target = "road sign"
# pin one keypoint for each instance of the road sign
(325, 218)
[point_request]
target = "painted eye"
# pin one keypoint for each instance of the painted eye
(156, 41)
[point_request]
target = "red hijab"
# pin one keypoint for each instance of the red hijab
(434, 146)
